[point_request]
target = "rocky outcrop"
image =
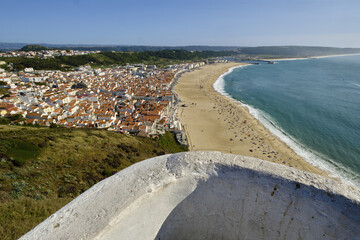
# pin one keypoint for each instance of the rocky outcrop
(208, 195)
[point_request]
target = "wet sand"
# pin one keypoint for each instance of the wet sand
(214, 122)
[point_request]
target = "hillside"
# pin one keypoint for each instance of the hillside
(29, 48)
(42, 169)
(163, 57)
(118, 48)
(285, 51)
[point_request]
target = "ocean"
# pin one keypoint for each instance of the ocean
(311, 104)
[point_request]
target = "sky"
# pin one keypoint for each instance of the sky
(182, 22)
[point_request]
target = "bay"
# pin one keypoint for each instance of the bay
(311, 104)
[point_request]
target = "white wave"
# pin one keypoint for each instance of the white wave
(314, 158)
(219, 84)
(355, 84)
(337, 55)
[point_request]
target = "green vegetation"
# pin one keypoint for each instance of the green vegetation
(135, 48)
(20, 63)
(167, 56)
(138, 48)
(29, 48)
(42, 169)
(10, 118)
(149, 57)
(3, 92)
(163, 57)
(5, 67)
(79, 85)
(19, 215)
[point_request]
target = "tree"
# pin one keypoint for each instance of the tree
(79, 85)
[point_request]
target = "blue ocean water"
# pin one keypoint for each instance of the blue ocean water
(312, 104)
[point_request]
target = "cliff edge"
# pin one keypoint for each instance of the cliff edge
(208, 195)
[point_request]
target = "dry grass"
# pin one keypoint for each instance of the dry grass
(42, 169)
(25, 213)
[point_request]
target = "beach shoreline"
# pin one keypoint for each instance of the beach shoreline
(313, 57)
(214, 121)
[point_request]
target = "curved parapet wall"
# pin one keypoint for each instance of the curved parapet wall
(208, 195)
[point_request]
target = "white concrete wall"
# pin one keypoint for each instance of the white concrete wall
(208, 195)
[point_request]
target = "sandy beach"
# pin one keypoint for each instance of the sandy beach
(214, 122)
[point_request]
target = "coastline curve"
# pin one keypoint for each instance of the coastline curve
(312, 157)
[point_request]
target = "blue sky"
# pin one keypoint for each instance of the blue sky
(182, 22)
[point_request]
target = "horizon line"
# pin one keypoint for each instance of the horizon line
(145, 45)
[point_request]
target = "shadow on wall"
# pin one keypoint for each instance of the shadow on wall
(240, 204)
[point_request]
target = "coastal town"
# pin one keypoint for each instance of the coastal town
(44, 54)
(132, 99)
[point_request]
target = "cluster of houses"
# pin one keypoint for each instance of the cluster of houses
(45, 53)
(133, 99)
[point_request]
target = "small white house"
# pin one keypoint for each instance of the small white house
(29, 70)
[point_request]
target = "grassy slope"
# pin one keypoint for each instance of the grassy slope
(42, 169)
(3, 91)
